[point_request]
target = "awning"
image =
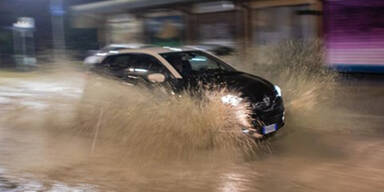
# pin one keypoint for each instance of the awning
(114, 6)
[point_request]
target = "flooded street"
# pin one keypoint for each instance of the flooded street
(191, 95)
(335, 146)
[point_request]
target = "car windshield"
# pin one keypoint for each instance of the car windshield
(190, 63)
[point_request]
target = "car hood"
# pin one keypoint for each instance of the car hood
(248, 86)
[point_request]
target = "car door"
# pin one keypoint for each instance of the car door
(142, 65)
(114, 65)
(133, 67)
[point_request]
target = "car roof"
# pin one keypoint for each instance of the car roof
(156, 50)
(129, 45)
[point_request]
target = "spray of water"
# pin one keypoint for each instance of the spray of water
(299, 68)
(157, 125)
(101, 131)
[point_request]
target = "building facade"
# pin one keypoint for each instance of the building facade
(240, 23)
(354, 32)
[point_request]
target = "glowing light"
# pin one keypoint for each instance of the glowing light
(199, 59)
(137, 70)
(231, 100)
(102, 54)
(141, 70)
(173, 48)
(278, 90)
(114, 52)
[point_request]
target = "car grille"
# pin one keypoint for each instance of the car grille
(268, 114)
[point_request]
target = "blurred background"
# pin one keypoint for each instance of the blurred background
(326, 55)
(351, 30)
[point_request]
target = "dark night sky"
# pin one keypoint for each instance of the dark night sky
(39, 9)
(10, 10)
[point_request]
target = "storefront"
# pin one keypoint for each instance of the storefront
(227, 22)
(216, 22)
(355, 35)
(124, 28)
(153, 22)
(164, 28)
(276, 21)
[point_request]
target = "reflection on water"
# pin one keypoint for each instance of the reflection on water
(48, 142)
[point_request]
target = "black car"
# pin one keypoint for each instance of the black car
(189, 69)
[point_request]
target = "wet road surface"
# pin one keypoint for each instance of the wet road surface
(336, 147)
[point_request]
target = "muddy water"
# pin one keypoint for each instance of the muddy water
(53, 138)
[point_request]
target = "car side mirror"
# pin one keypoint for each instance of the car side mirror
(156, 78)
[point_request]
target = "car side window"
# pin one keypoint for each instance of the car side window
(117, 62)
(155, 66)
(146, 64)
(137, 64)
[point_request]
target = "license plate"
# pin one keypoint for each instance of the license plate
(269, 128)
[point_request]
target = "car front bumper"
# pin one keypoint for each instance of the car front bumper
(267, 122)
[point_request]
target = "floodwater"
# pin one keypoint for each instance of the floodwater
(60, 131)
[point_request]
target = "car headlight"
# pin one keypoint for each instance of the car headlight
(278, 90)
(231, 100)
